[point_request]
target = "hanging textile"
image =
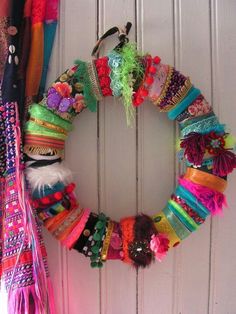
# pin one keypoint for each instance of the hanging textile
(25, 284)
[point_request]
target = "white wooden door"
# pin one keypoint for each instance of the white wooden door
(122, 171)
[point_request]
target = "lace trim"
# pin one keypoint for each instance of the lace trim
(204, 126)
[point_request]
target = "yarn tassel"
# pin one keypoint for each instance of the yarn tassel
(212, 200)
(194, 146)
(25, 300)
(224, 163)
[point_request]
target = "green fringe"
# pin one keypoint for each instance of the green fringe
(131, 71)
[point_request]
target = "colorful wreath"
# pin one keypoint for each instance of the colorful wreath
(205, 146)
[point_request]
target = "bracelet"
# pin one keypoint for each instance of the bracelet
(106, 242)
(50, 199)
(103, 72)
(165, 87)
(98, 238)
(52, 223)
(94, 80)
(175, 91)
(88, 229)
(37, 144)
(182, 215)
(187, 209)
(194, 120)
(204, 126)
(76, 232)
(68, 224)
(192, 94)
(164, 227)
(206, 179)
(127, 230)
(180, 229)
(48, 125)
(115, 247)
(192, 201)
(43, 113)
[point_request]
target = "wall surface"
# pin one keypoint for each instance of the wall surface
(122, 171)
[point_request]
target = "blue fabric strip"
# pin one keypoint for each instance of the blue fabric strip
(49, 35)
(190, 97)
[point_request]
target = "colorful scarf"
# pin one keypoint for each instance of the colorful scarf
(25, 284)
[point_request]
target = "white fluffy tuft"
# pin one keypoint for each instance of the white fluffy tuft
(48, 175)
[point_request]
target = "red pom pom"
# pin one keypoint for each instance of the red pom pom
(156, 60)
(70, 188)
(45, 200)
(152, 70)
(149, 80)
(138, 101)
(58, 196)
(143, 92)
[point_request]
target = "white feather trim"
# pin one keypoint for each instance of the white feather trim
(48, 175)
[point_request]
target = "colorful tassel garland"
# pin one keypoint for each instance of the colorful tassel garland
(212, 200)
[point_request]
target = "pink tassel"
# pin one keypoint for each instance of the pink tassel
(34, 298)
(224, 163)
(25, 300)
(212, 200)
(194, 145)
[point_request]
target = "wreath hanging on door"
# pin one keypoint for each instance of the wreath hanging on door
(205, 146)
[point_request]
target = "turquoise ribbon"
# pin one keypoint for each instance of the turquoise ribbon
(190, 97)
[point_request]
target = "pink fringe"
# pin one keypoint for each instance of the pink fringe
(212, 200)
(25, 301)
(19, 299)
(194, 145)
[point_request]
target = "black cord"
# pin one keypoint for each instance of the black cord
(122, 35)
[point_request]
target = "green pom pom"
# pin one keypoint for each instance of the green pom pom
(95, 249)
(96, 236)
(94, 264)
(99, 225)
(93, 258)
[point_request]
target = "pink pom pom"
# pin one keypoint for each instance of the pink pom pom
(194, 145)
(212, 200)
(159, 244)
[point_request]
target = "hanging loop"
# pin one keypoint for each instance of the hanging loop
(122, 36)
